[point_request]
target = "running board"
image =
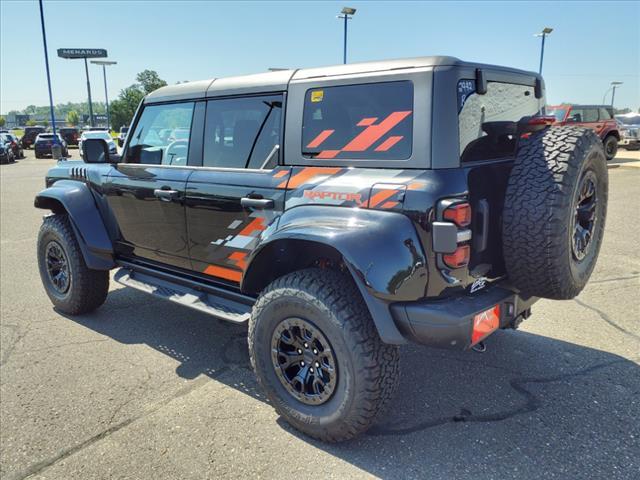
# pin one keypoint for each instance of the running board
(223, 308)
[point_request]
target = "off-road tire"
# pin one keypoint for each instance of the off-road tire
(610, 145)
(88, 288)
(368, 369)
(540, 204)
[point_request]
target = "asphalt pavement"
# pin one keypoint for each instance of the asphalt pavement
(143, 388)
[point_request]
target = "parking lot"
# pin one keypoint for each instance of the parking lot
(147, 389)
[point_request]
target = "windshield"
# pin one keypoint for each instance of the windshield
(101, 135)
(557, 112)
(628, 119)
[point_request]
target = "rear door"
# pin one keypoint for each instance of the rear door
(587, 117)
(240, 188)
(146, 192)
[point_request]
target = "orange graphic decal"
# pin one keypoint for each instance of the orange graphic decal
(328, 154)
(239, 259)
(306, 174)
(380, 197)
(373, 133)
(365, 122)
(281, 174)
(316, 142)
(256, 225)
(226, 273)
(388, 143)
(388, 205)
(415, 186)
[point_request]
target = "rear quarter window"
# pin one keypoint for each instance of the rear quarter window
(366, 121)
(481, 137)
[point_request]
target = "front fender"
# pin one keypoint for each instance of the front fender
(381, 249)
(77, 201)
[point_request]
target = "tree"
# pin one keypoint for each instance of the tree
(30, 123)
(73, 118)
(45, 123)
(2, 121)
(30, 110)
(149, 80)
(124, 107)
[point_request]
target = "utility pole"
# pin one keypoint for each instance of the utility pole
(545, 31)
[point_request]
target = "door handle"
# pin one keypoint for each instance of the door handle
(257, 203)
(166, 195)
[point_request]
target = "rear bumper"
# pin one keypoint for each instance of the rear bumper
(448, 323)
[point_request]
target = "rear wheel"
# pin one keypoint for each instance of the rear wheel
(318, 356)
(610, 147)
(554, 213)
(72, 287)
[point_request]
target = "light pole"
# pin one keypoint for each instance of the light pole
(346, 14)
(104, 64)
(613, 94)
(55, 149)
(545, 31)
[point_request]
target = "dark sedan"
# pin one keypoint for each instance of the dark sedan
(44, 142)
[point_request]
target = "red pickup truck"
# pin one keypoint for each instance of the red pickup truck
(597, 117)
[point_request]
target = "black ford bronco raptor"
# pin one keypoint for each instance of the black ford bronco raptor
(341, 212)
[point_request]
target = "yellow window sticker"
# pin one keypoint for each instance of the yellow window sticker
(317, 96)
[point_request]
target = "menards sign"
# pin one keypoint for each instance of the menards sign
(82, 52)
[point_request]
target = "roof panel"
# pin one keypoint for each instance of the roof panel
(181, 91)
(256, 83)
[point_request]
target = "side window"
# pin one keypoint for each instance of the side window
(369, 121)
(243, 132)
(486, 123)
(590, 115)
(604, 114)
(162, 135)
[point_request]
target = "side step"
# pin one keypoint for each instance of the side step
(223, 308)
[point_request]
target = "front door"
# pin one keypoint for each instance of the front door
(240, 189)
(146, 192)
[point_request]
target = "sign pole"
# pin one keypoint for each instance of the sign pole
(46, 61)
(86, 69)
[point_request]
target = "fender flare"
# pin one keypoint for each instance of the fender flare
(381, 250)
(78, 202)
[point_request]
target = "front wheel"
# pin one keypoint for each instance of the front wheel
(72, 287)
(318, 356)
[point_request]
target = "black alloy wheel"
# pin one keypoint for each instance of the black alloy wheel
(304, 361)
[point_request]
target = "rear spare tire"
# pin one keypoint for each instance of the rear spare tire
(554, 213)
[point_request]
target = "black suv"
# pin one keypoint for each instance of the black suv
(71, 135)
(340, 211)
(30, 135)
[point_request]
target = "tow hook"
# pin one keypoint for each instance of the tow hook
(480, 347)
(515, 323)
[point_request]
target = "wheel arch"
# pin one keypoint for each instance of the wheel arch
(76, 200)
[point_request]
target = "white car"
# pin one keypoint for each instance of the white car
(104, 135)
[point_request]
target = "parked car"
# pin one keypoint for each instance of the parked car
(14, 144)
(30, 134)
(420, 200)
(98, 134)
(122, 136)
(599, 118)
(71, 135)
(629, 125)
(44, 143)
(6, 152)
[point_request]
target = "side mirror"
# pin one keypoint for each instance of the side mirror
(96, 150)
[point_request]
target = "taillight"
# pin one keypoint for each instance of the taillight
(542, 120)
(460, 214)
(459, 258)
(484, 323)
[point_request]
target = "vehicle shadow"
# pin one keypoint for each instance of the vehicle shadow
(530, 407)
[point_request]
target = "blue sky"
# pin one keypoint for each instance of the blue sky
(593, 42)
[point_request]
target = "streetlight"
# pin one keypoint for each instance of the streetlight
(104, 64)
(545, 31)
(613, 95)
(347, 13)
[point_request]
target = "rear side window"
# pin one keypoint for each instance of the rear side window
(485, 122)
(243, 132)
(369, 121)
(604, 114)
(162, 135)
(581, 115)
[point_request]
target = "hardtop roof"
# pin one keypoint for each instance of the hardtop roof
(279, 80)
